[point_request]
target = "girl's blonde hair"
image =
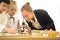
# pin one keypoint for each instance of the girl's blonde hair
(11, 3)
(27, 7)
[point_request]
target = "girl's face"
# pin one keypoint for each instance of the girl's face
(12, 10)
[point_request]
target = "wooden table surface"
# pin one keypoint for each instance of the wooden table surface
(20, 37)
(27, 37)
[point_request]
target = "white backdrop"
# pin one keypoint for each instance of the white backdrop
(51, 6)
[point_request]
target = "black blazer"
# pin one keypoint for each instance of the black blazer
(44, 19)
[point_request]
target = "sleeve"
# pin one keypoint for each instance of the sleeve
(48, 21)
(2, 23)
(1, 27)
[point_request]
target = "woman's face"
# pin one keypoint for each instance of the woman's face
(27, 15)
(3, 6)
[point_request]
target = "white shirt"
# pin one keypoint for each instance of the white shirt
(4, 18)
(35, 23)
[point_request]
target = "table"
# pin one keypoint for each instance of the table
(20, 37)
(27, 37)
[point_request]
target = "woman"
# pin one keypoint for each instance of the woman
(37, 19)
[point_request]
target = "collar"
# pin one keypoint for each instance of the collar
(9, 15)
(34, 18)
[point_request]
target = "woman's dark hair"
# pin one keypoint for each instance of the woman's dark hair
(5, 1)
